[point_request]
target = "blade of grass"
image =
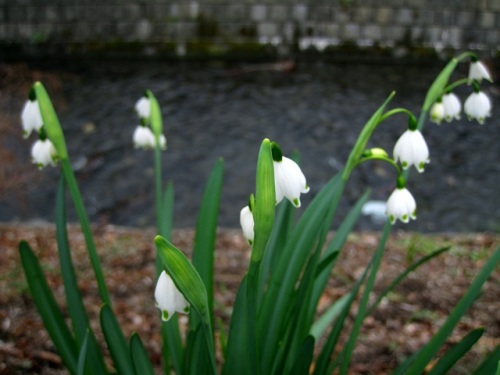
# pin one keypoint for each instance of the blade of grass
(456, 352)
(433, 346)
(489, 364)
(82, 357)
(370, 283)
(48, 309)
(117, 344)
(302, 363)
(404, 274)
(140, 359)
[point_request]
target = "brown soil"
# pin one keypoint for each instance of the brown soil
(403, 322)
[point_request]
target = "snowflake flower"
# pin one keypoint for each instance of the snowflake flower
(247, 224)
(411, 149)
(143, 107)
(31, 117)
(478, 72)
(477, 106)
(401, 205)
(452, 107)
(43, 153)
(168, 298)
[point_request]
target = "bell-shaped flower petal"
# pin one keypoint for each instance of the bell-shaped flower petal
(168, 298)
(43, 153)
(452, 107)
(143, 107)
(31, 117)
(289, 181)
(437, 112)
(401, 205)
(478, 72)
(411, 149)
(477, 106)
(247, 224)
(163, 142)
(143, 137)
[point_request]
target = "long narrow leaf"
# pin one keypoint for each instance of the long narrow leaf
(117, 344)
(206, 232)
(370, 283)
(452, 356)
(489, 364)
(140, 359)
(48, 309)
(236, 355)
(82, 357)
(302, 363)
(404, 274)
(433, 346)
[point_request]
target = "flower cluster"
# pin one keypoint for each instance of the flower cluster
(143, 136)
(477, 106)
(43, 152)
(289, 183)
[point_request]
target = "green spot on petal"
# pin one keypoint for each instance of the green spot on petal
(392, 218)
(250, 242)
(404, 217)
(164, 315)
(296, 202)
(186, 309)
(405, 164)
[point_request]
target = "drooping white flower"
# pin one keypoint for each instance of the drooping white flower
(411, 149)
(401, 205)
(168, 298)
(31, 117)
(143, 137)
(43, 153)
(437, 112)
(478, 72)
(163, 142)
(247, 224)
(477, 106)
(289, 181)
(143, 107)
(452, 107)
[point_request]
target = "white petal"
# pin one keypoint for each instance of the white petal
(43, 153)
(437, 112)
(452, 107)
(247, 224)
(411, 149)
(31, 117)
(401, 205)
(143, 137)
(477, 106)
(143, 107)
(289, 181)
(478, 72)
(168, 298)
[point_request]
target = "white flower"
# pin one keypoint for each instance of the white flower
(452, 107)
(143, 107)
(143, 137)
(477, 106)
(31, 117)
(478, 72)
(168, 298)
(411, 149)
(401, 205)
(43, 153)
(163, 142)
(247, 224)
(437, 112)
(289, 181)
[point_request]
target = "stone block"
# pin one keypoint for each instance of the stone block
(143, 30)
(363, 14)
(394, 33)
(493, 37)
(384, 16)
(16, 14)
(51, 14)
(278, 13)
(340, 16)
(258, 13)
(465, 19)
(487, 20)
(332, 30)
(236, 12)
(299, 12)
(351, 32)
(320, 13)
(373, 32)
(404, 16)
(454, 37)
(267, 29)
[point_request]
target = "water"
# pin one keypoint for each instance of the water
(213, 111)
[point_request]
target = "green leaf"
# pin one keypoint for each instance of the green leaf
(167, 211)
(50, 120)
(189, 283)
(140, 359)
(82, 357)
(332, 313)
(437, 88)
(117, 344)
(155, 117)
(206, 232)
(489, 364)
(236, 355)
(433, 346)
(404, 274)
(456, 352)
(302, 363)
(48, 309)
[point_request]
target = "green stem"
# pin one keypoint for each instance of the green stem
(380, 158)
(85, 225)
(456, 84)
(251, 294)
(395, 111)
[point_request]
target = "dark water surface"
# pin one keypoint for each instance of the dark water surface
(213, 111)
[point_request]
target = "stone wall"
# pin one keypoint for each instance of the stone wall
(151, 26)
